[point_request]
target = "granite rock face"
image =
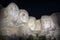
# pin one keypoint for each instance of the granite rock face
(15, 21)
(48, 26)
(10, 15)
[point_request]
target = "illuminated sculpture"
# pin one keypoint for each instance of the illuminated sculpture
(17, 22)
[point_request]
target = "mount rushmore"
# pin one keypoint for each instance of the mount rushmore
(15, 21)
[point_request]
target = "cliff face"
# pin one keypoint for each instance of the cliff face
(17, 22)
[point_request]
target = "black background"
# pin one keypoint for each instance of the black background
(35, 8)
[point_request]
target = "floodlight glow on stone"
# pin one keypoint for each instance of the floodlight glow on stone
(8, 22)
(12, 11)
(18, 22)
(31, 23)
(45, 22)
(38, 25)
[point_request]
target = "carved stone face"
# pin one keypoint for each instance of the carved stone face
(45, 21)
(31, 23)
(23, 15)
(10, 18)
(11, 12)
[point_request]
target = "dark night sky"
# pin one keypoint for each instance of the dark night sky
(35, 8)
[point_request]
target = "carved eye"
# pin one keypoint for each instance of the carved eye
(23, 14)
